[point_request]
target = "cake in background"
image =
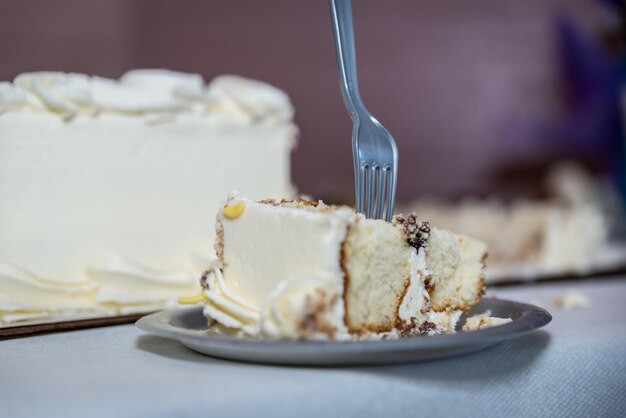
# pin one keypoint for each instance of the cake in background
(299, 269)
(108, 187)
(567, 233)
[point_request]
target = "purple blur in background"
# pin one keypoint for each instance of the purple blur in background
(481, 96)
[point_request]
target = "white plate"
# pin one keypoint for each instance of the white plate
(188, 326)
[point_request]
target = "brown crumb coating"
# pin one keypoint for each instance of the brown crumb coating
(346, 280)
(415, 233)
(413, 328)
(219, 241)
(295, 202)
(315, 319)
(204, 280)
(300, 203)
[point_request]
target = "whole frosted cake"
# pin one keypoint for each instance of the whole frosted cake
(298, 269)
(107, 186)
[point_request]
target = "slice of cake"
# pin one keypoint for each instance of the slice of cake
(304, 270)
(105, 185)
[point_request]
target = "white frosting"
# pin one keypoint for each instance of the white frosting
(23, 295)
(260, 296)
(416, 306)
(227, 307)
(19, 287)
(281, 313)
(22, 316)
(144, 92)
(289, 304)
(310, 243)
(119, 287)
(416, 299)
(123, 281)
(251, 100)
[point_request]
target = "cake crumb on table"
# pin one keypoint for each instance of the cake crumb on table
(572, 299)
(484, 320)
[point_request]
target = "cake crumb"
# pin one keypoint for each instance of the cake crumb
(484, 320)
(414, 232)
(572, 299)
(315, 318)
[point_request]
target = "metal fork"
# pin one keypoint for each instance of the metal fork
(374, 151)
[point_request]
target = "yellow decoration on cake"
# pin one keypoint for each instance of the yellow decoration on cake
(191, 300)
(234, 211)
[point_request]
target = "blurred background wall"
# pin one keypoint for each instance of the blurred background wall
(479, 95)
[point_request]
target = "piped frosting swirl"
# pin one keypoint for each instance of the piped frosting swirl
(227, 98)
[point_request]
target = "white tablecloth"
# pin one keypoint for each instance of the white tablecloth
(576, 366)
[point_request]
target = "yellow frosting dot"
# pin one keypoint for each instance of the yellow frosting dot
(234, 211)
(192, 300)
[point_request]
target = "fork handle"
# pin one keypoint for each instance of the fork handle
(343, 31)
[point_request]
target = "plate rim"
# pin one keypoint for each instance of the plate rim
(532, 318)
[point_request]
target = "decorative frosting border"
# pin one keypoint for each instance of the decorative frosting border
(144, 92)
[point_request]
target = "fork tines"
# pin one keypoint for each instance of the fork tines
(376, 191)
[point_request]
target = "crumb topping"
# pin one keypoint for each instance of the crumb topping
(428, 284)
(315, 319)
(204, 280)
(301, 203)
(219, 241)
(298, 202)
(346, 279)
(414, 328)
(415, 233)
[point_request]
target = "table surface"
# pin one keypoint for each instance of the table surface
(576, 366)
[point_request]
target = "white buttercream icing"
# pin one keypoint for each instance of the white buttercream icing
(253, 270)
(415, 308)
(226, 307)
(119, 286)
(21, 316)
(20, 287)
(253, 100)
(290, 303)
(23, 295)
(11, 96)
(146, 92)
(127, 282)
(118, 265)
(416, 301)
(280, 315)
